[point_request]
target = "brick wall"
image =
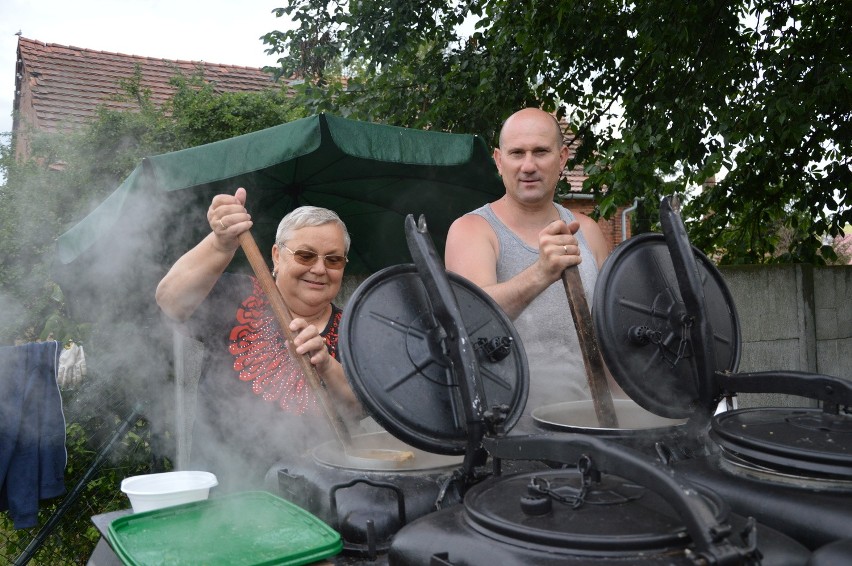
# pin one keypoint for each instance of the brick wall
(611, 228)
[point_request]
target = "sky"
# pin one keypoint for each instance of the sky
(215, 31)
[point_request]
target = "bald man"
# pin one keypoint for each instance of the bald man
(516, 249)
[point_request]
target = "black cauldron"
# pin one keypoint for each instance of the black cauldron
(669, 333)
(366, 500)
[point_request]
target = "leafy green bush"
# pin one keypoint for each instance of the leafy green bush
(74, 537)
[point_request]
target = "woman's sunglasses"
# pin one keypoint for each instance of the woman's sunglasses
(307, 257)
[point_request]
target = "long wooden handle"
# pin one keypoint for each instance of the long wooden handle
(282, 315)
(595, 369)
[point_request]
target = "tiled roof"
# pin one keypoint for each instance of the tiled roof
(574, 176)
(67, 84)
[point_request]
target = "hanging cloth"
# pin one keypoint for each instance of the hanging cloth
(32, 430)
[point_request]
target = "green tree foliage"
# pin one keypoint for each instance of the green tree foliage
(756, 94)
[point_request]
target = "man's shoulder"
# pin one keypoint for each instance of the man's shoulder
(471, 223)
(470, 243)
(483, 210)
(586, 221)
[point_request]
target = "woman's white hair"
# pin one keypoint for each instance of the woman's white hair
(306, 216)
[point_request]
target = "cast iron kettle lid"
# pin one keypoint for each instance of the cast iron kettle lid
(396, 355)
(643, 326)
(559, 509)
(615, 502)
(800, 442)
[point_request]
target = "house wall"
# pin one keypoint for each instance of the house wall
(24, 116)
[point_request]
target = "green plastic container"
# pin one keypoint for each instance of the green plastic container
(241, 529)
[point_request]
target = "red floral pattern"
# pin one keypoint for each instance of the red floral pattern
(262, 358)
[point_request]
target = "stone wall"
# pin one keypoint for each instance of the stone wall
(792, 317)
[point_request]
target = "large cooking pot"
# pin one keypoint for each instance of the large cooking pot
(669, 333)
(439, 366)
(368, 499)
(637, 311)
(790, 468)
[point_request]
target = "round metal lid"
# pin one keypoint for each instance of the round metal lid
(805, 442)
(613, 515)
(642, 325)
(393, 353)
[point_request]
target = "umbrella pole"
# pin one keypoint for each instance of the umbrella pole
(282, 315)
(595, 369)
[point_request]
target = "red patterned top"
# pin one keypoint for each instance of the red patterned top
(261, 356)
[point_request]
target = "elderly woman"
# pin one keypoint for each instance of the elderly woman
(255, 407)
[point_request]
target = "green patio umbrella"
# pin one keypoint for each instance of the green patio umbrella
(372, 175)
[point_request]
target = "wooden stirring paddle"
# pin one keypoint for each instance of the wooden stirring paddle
(592, 360)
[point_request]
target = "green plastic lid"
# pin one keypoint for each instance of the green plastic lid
(250, 528)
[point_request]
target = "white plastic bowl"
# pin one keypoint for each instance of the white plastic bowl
(155, 491)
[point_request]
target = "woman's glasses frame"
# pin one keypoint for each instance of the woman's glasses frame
(307, 257)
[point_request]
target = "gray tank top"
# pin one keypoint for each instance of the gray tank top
(546, 328)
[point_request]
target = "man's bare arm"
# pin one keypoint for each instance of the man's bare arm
(471, 251)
